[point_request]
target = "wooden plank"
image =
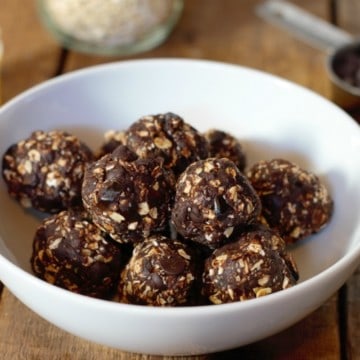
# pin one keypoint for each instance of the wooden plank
(315, 337)
(353, 316)
(22, 333)
(30, 53)
(348, 15)
(348, 18)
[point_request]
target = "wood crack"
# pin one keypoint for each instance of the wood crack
(61, 62)
(333, 11)
(342, 311)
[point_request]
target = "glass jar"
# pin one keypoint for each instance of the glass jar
(110, 27)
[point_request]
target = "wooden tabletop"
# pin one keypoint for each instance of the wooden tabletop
(229, 31)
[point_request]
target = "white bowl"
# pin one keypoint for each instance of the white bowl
(271, 117)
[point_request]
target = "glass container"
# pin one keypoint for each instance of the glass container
(110, 27)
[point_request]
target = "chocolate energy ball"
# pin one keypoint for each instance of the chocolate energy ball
(112, 139)
(213, 198)
(71, 252)
(159, 273)
(127, 197)
(45, 171)
(170, 137)
(294, 201)
(254, 265)
(223, 144)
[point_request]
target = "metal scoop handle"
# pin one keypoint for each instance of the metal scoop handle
(305, 26)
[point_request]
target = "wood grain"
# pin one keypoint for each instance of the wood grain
(315, 337)
(30, 54)
(353, 316)
(226, 30)
(348, 14)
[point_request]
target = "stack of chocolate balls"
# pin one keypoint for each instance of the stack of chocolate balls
(163, 215)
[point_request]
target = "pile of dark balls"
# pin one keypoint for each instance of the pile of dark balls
(162, 214)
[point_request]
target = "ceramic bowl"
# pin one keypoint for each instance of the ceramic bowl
(270, 116)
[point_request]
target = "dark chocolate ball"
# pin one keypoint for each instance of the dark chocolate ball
(255, 264)
(161, 272)
(294, 201)
(71, 252)
(213, 198)
(167, 136)
(128, 197)
(45, 171)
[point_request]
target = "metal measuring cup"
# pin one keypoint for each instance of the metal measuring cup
(339, 45)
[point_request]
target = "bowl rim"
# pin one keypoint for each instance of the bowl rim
(72, 74)
(352, 257)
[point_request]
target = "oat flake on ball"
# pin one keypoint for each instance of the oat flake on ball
(45, 171)
(213, 198)
(294, 201)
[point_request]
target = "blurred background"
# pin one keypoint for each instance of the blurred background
(227, 30)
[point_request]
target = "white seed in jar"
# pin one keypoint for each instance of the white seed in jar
(108, 22)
